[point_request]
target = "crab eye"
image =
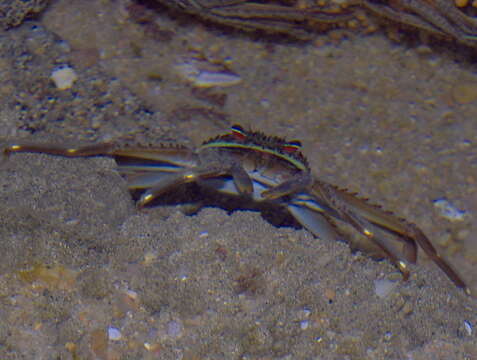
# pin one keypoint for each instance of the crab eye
(238, 132)
(291, 146)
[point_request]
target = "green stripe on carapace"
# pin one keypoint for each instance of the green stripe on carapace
(255, 147)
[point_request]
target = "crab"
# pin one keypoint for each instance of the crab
(264, 169)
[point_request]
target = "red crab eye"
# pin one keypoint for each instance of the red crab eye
(291, 146)
(238, 132)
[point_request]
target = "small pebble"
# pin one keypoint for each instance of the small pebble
(468, 327)
(265, 103)
(205, 75)
(64, 77)
(449, 211)
(149, 258)
(330, 294)
(384, 287)
(114, 334)
(174, 329)
(153, 347)
(132, 294)
(465, 92)
(463, 234)
(407, 309)
(210, 79)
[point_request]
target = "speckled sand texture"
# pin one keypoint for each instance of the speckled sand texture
(85, 275)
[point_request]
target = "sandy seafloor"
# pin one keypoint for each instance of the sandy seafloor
(85, 275)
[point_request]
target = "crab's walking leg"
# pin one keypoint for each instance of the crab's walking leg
(296, 184)
(159, 174)
(347, 203)
(314, 216)
(328, 193)
(315, 222)
(430, 251)
(242, 180)
(338, 209)
(154, 169)
(173, 181)
(103, 149)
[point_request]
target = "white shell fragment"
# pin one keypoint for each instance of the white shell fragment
(64, 78)
(174, 329)
(304, 324)
(203, 234)
(384, 287)
(468, 327)
(448, 210)
(114, 334)
(204, 74)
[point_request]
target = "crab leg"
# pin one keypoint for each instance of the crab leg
(306, 201)
(304, 214)
(171, 182)
(357, 212)
(313, 216)
(309, 216)
(132, 161)
(242, 180)
(126, 156)
(103, 149)
(315, 222)
(159, 182)
(326, 192)
(297, 183)
(157, 169)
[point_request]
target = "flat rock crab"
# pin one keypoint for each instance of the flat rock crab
(264, 169)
